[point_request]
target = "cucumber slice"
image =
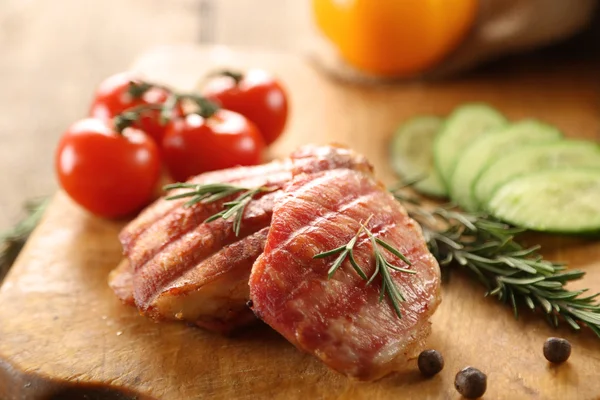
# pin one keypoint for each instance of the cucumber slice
(565, 201)
(464, 124)
(411, 154)
(556, 155)
(488, 147)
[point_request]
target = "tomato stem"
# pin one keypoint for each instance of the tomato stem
(168, 109)
(139, 88)
(235, 75)
(205, 107)
(131, 116)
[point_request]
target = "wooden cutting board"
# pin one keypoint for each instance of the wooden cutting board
(63, 335)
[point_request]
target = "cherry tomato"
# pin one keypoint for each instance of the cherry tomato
(113, 97)
(194, 144)
(257, 96)
(109, 174)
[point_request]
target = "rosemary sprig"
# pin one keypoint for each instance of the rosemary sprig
(344, 251)
(236, 208)
(13, 240)
(212, 192)
(514, 274)
(382, 266)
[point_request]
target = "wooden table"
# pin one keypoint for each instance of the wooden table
(61, 327)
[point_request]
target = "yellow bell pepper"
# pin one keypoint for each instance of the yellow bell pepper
(395, 37)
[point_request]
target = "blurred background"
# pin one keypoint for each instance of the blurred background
(54, 53)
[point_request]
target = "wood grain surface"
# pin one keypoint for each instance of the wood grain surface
(63, 334)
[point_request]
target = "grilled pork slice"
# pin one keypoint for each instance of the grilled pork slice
(190, 249)
(341, 320)
(212, 295)
(175, 256)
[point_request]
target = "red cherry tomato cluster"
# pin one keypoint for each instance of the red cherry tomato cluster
(110, 162)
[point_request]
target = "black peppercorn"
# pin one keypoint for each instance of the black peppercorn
(249, 304)
(471, 383)
(557, 350)
(430, 362)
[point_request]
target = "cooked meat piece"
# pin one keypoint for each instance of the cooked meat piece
(120, 281)
(214, 293)
(341, 320)
(190, 249)
(141, 247)
(173, 253)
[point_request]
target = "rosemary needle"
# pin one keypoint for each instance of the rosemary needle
(13, 240)
(236, 208)
(212, 192)
(344, 251)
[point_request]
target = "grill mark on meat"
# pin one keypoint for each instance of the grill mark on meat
(167, 232)
(276, 170)
(341, 320)
(377, 231)
(330, 213)
(204, 241)
(312, 226)
(220, 282)
(321, 213)
(179, 221)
